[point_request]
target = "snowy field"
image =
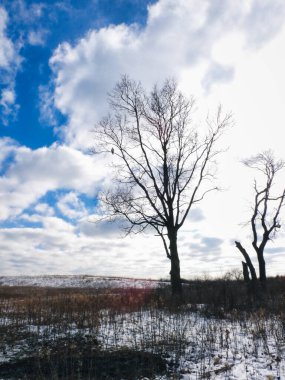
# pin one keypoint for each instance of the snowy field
(83, 281)
(192, 346)
(201, 348)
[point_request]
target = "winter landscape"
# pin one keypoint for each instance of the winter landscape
(84, 327)
(142, 195)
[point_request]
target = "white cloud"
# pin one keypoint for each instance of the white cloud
(218, 50)
(10, 61)
(8, 97)
(59, 247)
(46, 99)
(94, 225)
(7, 147)
(178, 36)
(217, 73)
(264, 21)
(7, 51)
(44, 209)
(10, 57)
(37, 37)
(71, 206)
(32, 173)
(28, 14)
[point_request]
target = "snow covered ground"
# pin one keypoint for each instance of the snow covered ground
(194, 346)
(197, 347)
(77, 281)
(239, 347)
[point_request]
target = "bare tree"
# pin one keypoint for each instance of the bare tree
(265, 220)
(162, 165)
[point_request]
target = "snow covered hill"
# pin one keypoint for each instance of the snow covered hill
(78, 281)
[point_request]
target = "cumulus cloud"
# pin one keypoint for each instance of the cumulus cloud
(196, 215)
(55, 247)
(210, 245)
(37, 37)
(178, 36)
(264, 20)
(48, 114)
(10, 61)
(27, 14)
(275, 250)
(94, 226)
(30, 174)
(7, 51)
(71, 206)
(7, 147)
(25, 17)
(44, 209)
(217, 73)
(58, 247)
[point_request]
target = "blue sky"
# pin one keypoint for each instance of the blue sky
(58, 60)
(51, 23)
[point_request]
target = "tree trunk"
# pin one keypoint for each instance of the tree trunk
(175, 278)
(251, 288)
(248, 260)
(262, 270)
(245, 272)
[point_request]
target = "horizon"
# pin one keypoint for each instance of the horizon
(57, 64)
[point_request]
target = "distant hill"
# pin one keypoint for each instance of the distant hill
(78, 281)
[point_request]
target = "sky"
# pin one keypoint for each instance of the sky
(58, 61)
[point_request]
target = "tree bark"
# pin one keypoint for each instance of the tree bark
(248, 261)
(250, 284)
(176, 284)
(262, 270)
(245, 272)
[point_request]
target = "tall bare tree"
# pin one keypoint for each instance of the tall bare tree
(163, 167)
(267, 204)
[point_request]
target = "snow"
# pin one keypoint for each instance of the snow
(194, 346)
(78, 281)
(202, 347)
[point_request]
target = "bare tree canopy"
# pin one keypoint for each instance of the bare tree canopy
(267, 204)
(163, 167)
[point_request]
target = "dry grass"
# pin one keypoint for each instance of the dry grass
(49, 333)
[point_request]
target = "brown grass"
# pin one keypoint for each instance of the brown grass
(48, 333)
